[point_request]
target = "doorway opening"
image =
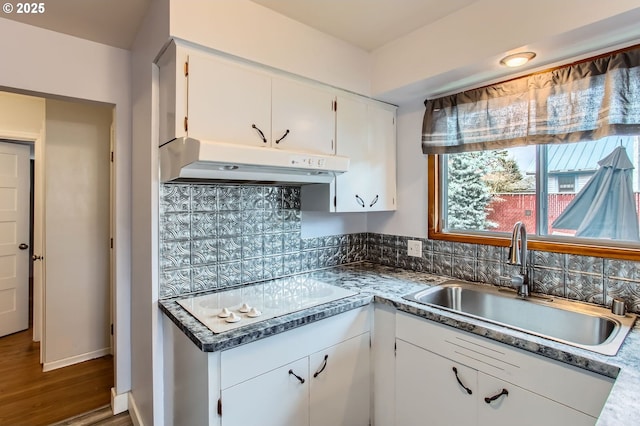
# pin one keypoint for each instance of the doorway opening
(74, 180)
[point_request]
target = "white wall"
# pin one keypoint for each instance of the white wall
(464, 48)
(51, 64)
(251, 31)
(146, 333)
(77, 291)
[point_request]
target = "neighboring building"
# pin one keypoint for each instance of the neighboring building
(571, 166)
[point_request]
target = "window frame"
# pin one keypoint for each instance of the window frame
(550, 244)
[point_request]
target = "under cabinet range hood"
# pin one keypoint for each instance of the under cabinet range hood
(189, 159)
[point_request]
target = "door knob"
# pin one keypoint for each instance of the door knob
(23, 246)
(36, 257)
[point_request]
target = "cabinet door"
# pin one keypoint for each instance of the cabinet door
(276, 398)
(428, 392)
(352, 187)
(172, 93)
(303, 117)
(339, 384)
(381, 159)
(226, 100)
(521, 407)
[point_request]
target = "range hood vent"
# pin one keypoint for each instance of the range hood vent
(188, 159)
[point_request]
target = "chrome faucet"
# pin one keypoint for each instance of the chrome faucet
(518, 256)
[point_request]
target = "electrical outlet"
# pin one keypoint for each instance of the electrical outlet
(414, 248)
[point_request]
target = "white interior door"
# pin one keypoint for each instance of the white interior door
(14, 237)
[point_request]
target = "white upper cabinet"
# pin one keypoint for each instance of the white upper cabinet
(381, 158)
(303, 117)
(212, 98)
(228, 102)
(366, 133)
(352, 133)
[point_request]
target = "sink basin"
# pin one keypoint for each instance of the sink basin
(578, 324)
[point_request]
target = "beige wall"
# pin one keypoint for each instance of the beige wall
(77, 291)
(21, 114)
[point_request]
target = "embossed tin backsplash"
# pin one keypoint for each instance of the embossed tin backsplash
(215, 236)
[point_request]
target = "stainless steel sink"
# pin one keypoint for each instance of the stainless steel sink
(574, 323)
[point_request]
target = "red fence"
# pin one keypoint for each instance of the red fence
(507, 209)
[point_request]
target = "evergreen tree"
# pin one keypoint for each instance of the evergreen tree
(468, 193)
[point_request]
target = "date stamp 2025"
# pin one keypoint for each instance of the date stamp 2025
(24, 8)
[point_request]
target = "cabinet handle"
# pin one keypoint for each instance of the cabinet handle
(324, 365)
(494, 397)
(261, 134)
(455, 371)
(360, 200)
(283, 136)
(296, 376)
(375, 200)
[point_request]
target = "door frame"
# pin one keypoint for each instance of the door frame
(37, 140)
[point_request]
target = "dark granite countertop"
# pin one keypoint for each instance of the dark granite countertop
(387, 285)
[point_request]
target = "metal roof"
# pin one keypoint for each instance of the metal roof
(584, 156)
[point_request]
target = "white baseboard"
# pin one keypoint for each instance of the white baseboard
(48, 366)
(119, 403)
(133, 411)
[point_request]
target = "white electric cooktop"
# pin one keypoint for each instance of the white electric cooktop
(229, 309)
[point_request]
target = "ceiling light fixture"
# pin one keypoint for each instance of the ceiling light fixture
(517, 59)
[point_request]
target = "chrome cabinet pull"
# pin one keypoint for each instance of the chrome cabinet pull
(259, 131)
(489, 400)
(296, 376)
(283, 136)
(324, 365)
(455, 371)
(375, 200)
(360, 200)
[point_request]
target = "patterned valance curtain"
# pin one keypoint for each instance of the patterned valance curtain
(580, 102)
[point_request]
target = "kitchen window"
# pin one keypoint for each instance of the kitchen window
(557, 150)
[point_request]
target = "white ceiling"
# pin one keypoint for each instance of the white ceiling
(111, 22)
(368, 24)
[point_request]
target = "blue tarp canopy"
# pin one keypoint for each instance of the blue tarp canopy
(605, 207)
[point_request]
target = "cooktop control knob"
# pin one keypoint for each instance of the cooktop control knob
(245, 308)
(224, 313)
(253, 313)
(233, 318)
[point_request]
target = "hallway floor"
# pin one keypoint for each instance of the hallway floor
(30, 397)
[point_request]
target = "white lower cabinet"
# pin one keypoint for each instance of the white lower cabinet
(315, 375)
(339, 388)
(275, 398)
(320, 374)
(438, 391)
(445, 377)
(427, 391)
(329, 387)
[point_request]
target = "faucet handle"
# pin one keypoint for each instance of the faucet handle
(515, 280)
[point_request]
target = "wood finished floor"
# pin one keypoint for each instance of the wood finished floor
(29, 397)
